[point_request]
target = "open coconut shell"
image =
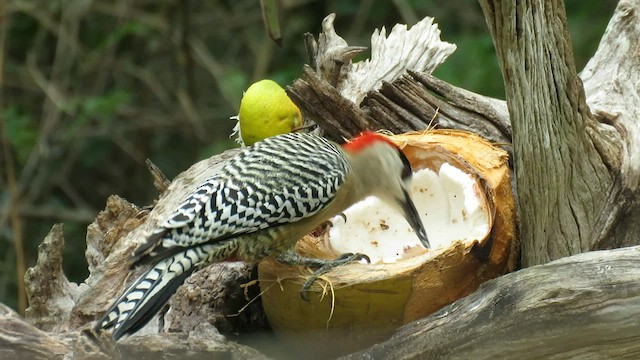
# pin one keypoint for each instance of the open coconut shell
(357, 305)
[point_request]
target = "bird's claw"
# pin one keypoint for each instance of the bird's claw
(349, 257)
(329, 223)
(328, 266)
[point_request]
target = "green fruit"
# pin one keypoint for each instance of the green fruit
(266, 110)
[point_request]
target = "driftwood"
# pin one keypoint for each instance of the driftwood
(575, 150)
(21, 340)
(575, 147)
(584, 306)
(414, 99)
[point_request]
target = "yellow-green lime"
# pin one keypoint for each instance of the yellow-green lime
(266, 110)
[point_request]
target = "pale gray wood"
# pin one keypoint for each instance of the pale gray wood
(580, 307)
(393, 90)
(51, 296)
(612, 87)
(571, 173)
(21, 340)
(417, 48)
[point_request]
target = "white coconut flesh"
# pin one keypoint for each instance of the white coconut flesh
(449, 203)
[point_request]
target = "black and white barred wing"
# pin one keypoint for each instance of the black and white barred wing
(279, 180)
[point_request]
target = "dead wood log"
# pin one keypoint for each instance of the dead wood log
(21, 340)
(584, 306)
(584, 165)
(393, 91)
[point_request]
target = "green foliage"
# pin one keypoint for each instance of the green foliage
(234, 83)
(21, 131)
(587, 21)
(216, 148)
(96, 111)
(102, 107)
(473, 66)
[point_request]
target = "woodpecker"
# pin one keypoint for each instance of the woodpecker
(258, 205)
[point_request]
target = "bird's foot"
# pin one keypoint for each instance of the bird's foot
(323, 266)
(328, 266)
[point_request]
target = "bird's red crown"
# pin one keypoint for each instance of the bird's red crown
(364, 140)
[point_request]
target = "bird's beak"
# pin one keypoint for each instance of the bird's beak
(413, 218)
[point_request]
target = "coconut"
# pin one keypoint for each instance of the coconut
(461, 188)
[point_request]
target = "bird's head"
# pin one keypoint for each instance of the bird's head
(385, 172)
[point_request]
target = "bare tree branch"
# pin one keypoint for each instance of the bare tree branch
(612, 86)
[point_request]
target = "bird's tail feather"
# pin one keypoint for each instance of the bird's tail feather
(144, 298)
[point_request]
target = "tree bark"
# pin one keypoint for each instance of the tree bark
(566, 161)
(21, 340)
(612, 82)
(584, 306)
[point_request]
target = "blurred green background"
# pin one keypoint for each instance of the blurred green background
(90, 89)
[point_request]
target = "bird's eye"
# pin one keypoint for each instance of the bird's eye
(406, 169)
